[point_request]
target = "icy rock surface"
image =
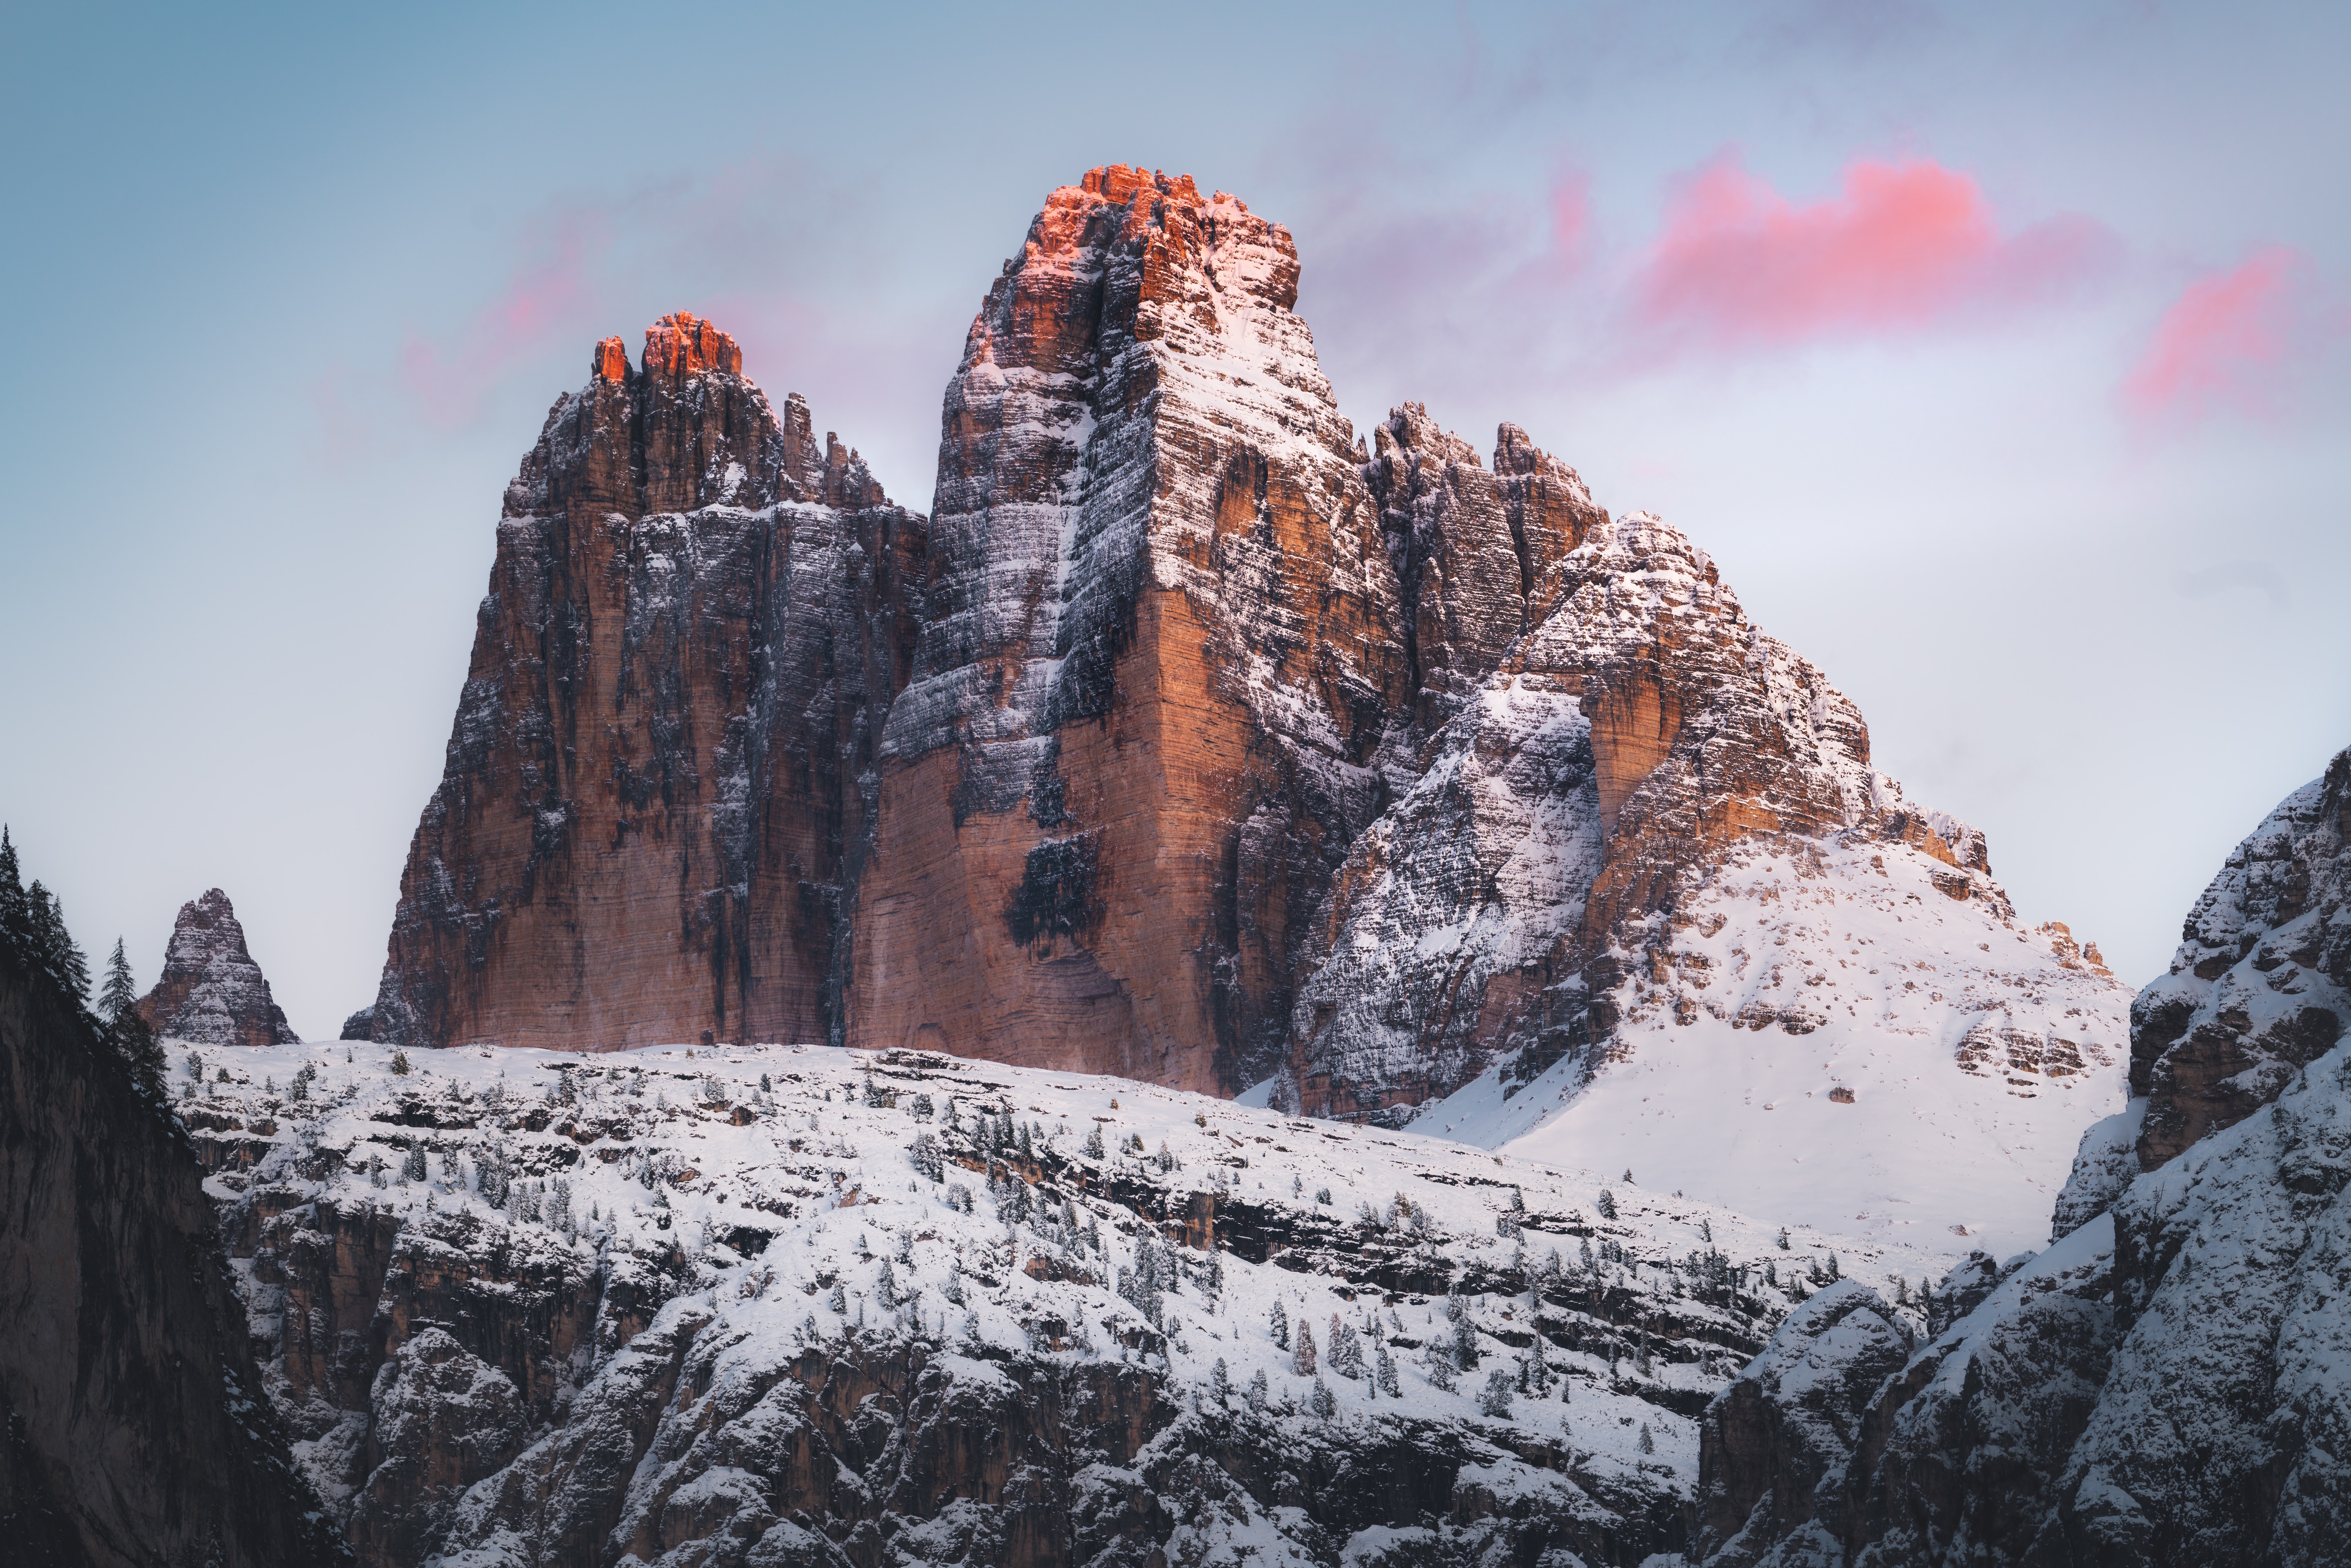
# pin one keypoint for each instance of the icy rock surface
(805, 1305)
(1648, 901)
(211, 989)
(2262, 983)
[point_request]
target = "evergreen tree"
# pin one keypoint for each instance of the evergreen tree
(1496, 1399)
(1321, 1401)
(119, 993)
(53, 949)
(1648, 1444)
(15, 918)
(140, 1047)
(1301, 1355)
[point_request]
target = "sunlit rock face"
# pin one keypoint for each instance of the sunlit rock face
(211, 990)
(652, 818)
(1161, 652)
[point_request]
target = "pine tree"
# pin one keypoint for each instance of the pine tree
(1259, 1393)
(119, 993)
(1648, 1444)
(1320, 1401)
(1280, 1322)
(15, 918)
(1607, 1204)
(53, 948)
(137, 1041)
(1301, 1355)
(1496, 1399)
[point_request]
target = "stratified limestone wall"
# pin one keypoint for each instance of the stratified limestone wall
(653, 807)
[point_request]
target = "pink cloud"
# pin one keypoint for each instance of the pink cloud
(546, 298)
(1904, 246)
(2221, 344)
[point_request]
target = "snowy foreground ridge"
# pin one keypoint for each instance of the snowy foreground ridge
(802, 1302)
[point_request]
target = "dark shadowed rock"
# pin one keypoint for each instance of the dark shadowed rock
(137, 1430)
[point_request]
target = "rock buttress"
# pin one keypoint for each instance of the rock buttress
(1158, 661)
(653, 807)
(136, 1429)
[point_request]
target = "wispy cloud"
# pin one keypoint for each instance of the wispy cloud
(1904, 246)
(2221, 345)
(547, 296)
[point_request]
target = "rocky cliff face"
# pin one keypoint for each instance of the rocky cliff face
(1192, 739)
(2166, 1382)
(2262, 983)
(136, 1429)
(654, 813)
(1158, 661)
(778, 1305)
(212, 991)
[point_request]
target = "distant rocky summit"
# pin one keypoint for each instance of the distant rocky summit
(212, 991)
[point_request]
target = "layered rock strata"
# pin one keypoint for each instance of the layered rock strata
(654, 812)
(211, 990)
(1157, 662)
(800, 1305)
(135, 1429)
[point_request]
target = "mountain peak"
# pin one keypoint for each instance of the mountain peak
(683, 343)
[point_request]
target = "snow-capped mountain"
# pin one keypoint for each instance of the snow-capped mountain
(806, 1305)
(1195, 740)
(1649, 905)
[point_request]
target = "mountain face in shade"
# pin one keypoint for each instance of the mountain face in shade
(212, 991)
(652, 815)
(137, 1433)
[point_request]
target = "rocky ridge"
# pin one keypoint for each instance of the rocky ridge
(2166, 1382)
(211, 990)
(776, 1305)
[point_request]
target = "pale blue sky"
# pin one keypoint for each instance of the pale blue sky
(289, 293)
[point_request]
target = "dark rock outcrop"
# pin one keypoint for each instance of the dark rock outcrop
(654, 811)
(2262, 983)
(212, 991)
(137, 1432)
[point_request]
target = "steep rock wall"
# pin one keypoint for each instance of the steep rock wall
(1158, 661)
(2262, 983)
(136, 1429)
(654, 811)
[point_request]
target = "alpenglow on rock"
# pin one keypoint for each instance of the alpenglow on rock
(1192, 739)
(212, 991)
(652, 815)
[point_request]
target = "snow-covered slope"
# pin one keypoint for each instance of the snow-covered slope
(1649, 905)
(530, 1306)
(1834, 1040)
